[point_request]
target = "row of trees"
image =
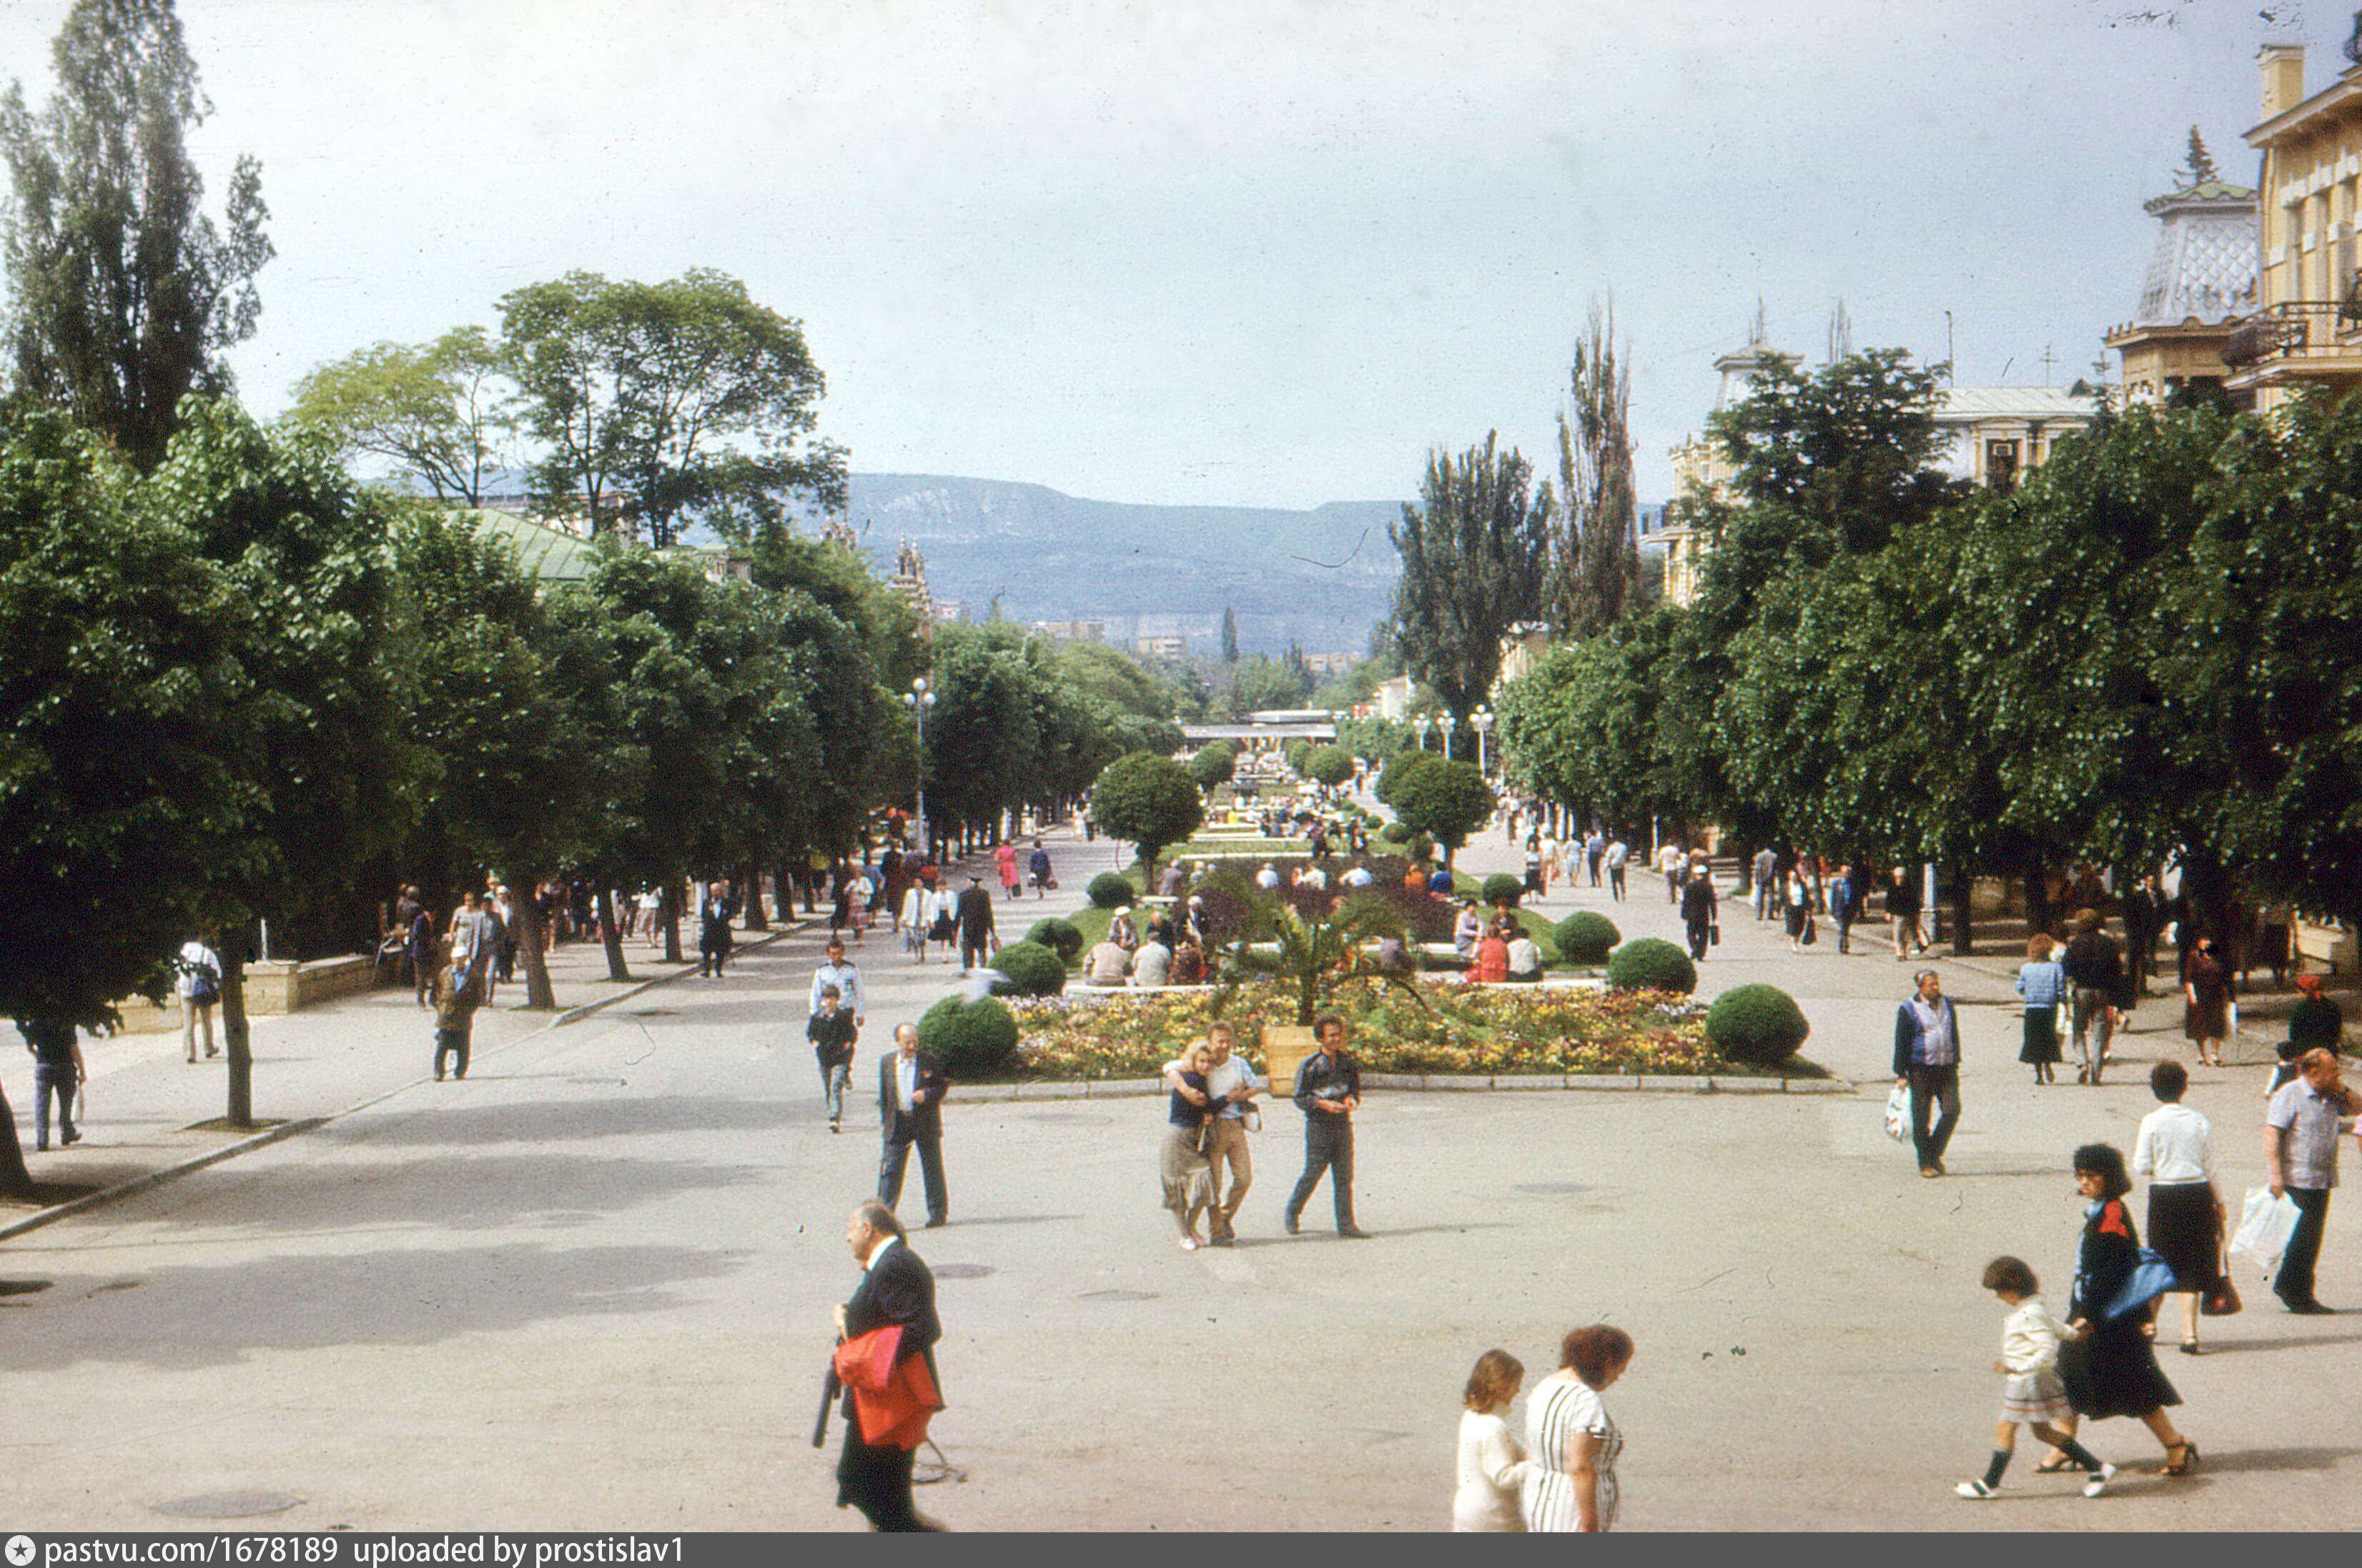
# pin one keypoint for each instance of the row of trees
(2136, 654)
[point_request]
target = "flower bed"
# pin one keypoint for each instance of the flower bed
(1470, 1030)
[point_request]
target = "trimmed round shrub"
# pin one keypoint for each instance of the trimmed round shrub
(1587, 937)
(1502, 888)
(1759, 1024)
(1395, 833)
(1061, 936)
(1651, 963)
(1419, 847)
(1029, 969)
(1109, 891)
(969, 1038)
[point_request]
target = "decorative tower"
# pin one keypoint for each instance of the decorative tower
(2202, 279)
(910, 580)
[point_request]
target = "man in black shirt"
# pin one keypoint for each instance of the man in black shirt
(898, 1290)
(1328, 1090)
(58, 1070)
(975, 925)
(2095, 971)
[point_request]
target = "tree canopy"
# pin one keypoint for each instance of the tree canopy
(1475, 562)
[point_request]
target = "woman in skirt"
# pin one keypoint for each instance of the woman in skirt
(2176, 1152)
(2042, 983)
(2206, 991)
(2108, 1368)
(1188, 1177)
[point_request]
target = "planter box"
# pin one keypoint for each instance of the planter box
(1285, 1047)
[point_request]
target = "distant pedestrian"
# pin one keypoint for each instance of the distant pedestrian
(2042, 984)
(2176, 1151)
(2206, 992)
(1493, 1466)
(455, 999)
(1845, 904)
(1037, 866)
(422, 954)
(831, 1033)
(472, 936)
(2030, 1341)
(2301, 1126)
(911, 1085)
(1701, 911)
(1328, 1090)
(199, 980)
(2109, 1368)
(713, 938)
(1004, 858)
(2315, 1020)
(1534, 867)
(1620, 855)
(1672, 860)
(59, 1072)
(1903, 902)
(1595, 850)
(2145, 915)
(1571, 1483)
(1797, 908)
(2094, 968)
(976, 941)
(1766, 870)
(1927, 1061)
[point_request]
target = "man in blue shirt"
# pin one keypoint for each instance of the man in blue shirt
(1927, 1058)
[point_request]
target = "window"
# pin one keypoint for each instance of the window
(2001, 464)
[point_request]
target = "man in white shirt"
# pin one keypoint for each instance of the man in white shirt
(472, 945)
(846, 975)
(1107, 966)
(1233, 1085)
(1267, 879)
(1357, 877)
(199, 984)
(1525, 959)
(1151, 967)
(1674, 862)
(2301, 1125)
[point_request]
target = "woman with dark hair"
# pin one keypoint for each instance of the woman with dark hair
(2206, 986)
(1492, 1462)
(2176, 1152)
(2109, 1368)
(1575, 1443)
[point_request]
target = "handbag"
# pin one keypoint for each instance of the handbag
(1898, 1114)
(1713, 936)
(2151, 1276)
(2223, 1301)
(1809, 935)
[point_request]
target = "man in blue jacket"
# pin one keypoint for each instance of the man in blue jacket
(1928, 1059)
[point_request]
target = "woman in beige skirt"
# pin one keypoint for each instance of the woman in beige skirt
(1188, 1178)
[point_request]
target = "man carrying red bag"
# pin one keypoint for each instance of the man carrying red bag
(886, 1361)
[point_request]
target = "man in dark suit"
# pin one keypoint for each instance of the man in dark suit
(909, 1109)
(897, 1289)
(976, 938)
(713, 912)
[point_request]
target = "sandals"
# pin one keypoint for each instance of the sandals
(2055, 1464)
(2183, 1465)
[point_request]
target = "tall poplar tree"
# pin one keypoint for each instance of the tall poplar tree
(124, 292)
(1598, 562)
(1475, 560)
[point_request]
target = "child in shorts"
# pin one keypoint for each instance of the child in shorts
(2032, 1395)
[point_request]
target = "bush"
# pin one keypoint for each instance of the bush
(1651, 963)
(1419, 847)
(1109, 891)
(1587, 937)
(1502, 888)
(1030, 969)
(1759, 1024)
(1214, 764)
(1330, 765)
(1061, 936)
(1395, 833)
(968, 1037)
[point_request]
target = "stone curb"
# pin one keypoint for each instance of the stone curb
(163, 1174)
(1418, 1083)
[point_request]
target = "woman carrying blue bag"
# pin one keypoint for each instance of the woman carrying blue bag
(2109, 1368)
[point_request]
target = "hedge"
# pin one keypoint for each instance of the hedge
(1585, 936)
(1030, 969)
(1109, 891)
(1061, 936)
(1759, 1024)
(1502, 888)
(1651, 963)
(969, 1038)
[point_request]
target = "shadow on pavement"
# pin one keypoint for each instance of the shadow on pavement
(178, 1319)
(621, 1115)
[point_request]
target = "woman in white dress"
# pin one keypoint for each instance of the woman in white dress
(1570, 1482)
(1492, 1461)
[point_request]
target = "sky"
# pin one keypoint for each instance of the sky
(1231, 252)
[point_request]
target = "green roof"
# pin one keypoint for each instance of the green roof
(552, 554)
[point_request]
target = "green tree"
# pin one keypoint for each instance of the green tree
(1446, 800)
(1598, 555)
(124, 292)
(1330, 765)
(1149, 800)
(1258, 682)
(1212, 765)
(1475, 562)
(436, 412)
(1229, 636)
(661, 402)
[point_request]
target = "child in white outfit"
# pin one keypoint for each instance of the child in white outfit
(2032, 1395)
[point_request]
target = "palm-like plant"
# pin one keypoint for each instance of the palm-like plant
(1309, 955)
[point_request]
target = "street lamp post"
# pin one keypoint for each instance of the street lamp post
(1451, 722)
(1426, 723)
(1483, 722)
(920, 699)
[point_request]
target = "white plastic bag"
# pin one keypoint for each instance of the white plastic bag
(1898, 1114)
(2265, 1222)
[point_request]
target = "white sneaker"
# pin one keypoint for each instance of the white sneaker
(2099, 1481)
(1974, 1489)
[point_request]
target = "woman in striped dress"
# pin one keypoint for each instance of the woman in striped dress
(1571, 1484)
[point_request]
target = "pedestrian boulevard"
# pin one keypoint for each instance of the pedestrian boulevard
(589, 1287)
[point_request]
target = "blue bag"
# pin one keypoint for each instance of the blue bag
(2152, 1276)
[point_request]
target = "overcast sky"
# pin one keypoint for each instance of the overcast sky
(1246, 252)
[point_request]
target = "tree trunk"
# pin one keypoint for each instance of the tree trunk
(610, 936)
(2038, 900)
(783, 892)
(538, 996)
(1963, 914)
(812, 888)
(669, 912)
(15, 1182)
(236, 1039)
(757, 918)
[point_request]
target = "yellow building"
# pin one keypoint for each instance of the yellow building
(2307, 327)
(2201, 284)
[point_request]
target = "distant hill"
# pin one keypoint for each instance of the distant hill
(1320, 578)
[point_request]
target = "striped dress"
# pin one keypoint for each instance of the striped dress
(1559, 1407)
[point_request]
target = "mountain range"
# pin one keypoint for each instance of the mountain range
(1320, 577)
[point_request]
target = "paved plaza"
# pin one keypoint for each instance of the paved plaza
(589, 1287)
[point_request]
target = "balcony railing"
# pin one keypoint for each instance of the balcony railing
(2297, 330)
